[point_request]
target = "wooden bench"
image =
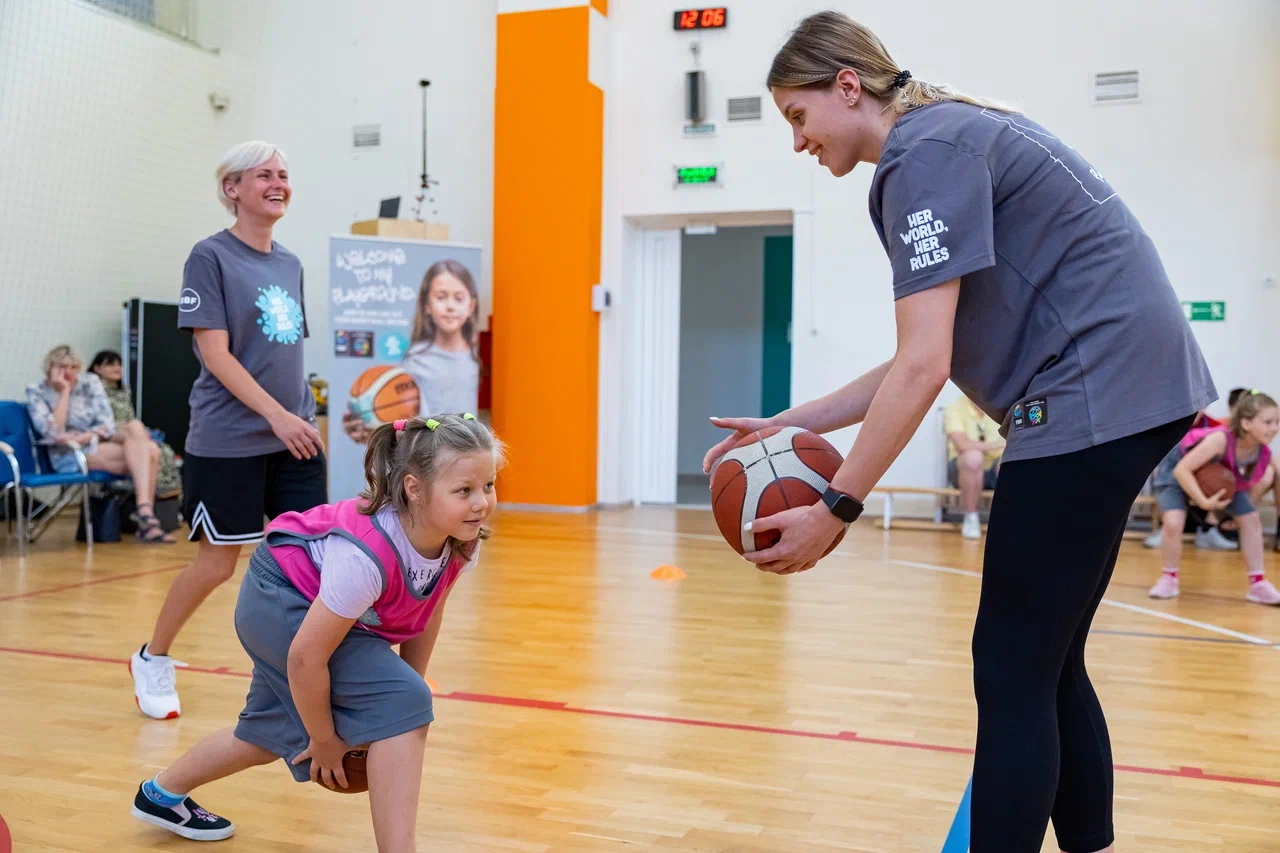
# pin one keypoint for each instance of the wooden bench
(1144, 502)
(943, 492)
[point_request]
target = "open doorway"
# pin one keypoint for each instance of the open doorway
(735, 338)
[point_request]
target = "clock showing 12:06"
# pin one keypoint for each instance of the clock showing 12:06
(714, 18)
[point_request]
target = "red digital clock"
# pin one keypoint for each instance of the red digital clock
(702, 19)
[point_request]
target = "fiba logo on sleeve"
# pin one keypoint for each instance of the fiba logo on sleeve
(189, 301)
(923, 237)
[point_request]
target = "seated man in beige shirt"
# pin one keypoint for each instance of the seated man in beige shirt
(974, 447)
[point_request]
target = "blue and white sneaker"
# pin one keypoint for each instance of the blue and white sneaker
(186, 819)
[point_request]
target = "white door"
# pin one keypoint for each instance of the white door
(658, 306)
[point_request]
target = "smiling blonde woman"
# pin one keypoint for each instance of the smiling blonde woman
(252, 451)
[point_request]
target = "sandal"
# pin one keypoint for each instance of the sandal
(149, 530)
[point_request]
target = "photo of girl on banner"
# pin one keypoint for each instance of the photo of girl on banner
(442, 360)
(390, 363)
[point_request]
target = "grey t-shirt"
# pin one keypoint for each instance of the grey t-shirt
(448, 382)
(257, 298)
(1067, 329)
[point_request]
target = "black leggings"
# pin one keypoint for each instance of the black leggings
(1042, 750)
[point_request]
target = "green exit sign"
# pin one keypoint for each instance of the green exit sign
(686, 175)
(1210, 311)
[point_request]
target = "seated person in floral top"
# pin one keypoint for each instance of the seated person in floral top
(109, 368)
(69, 406)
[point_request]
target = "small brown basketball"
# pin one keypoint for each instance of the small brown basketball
(1215, 477)
(765, 473)
(353, 764)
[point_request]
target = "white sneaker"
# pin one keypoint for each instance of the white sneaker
(1213, 540)
(1166, 587)
(972, 527)
(154, 685)
(1155, 540)
(1263, 592)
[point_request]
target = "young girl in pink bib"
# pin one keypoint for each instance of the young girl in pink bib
(327, 594)
(1242, 446)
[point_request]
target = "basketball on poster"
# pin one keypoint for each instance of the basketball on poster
(373, 294)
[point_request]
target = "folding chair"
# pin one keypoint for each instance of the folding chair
(30, 469)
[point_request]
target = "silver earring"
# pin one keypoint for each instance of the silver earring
(851, 100)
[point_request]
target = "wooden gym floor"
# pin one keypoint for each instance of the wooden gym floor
(583, 706)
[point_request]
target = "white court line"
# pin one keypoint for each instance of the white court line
(1257, 641)
(929, 567)
(1132, 608)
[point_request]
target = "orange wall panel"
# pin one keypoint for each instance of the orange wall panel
(548, 163)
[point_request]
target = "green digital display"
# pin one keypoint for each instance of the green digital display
(697, 174)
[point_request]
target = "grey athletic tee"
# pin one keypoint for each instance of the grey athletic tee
(448, 382)
(1068, 331)
(257, 298)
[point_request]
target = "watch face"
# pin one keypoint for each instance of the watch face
(842, 506)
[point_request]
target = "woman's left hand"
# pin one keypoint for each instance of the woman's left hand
(807, 533)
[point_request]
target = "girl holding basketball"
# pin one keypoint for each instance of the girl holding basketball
(327, 594)
(1019, 273)
(1242, 446)
(442, 357)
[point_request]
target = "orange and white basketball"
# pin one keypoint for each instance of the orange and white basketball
(765, 473)
(384, 393)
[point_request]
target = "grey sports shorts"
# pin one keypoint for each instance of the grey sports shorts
(375, 694)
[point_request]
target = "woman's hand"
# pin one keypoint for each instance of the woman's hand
(807, 534)
(300, 437)
(355, 428)
(326, 761)
(742, 427)
(58, 380)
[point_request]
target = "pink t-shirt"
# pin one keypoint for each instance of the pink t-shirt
(350, 582)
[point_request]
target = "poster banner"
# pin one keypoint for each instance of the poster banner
(373, 296)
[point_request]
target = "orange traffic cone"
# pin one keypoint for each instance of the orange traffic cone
(667, 573)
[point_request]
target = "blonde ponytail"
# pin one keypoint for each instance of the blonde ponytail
(826, 43)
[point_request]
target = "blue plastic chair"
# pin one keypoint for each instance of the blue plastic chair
(29, 469)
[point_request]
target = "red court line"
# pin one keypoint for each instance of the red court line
(49, 590)
(542, 705)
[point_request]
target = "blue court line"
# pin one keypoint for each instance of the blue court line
(958, 838)
(1186, 637)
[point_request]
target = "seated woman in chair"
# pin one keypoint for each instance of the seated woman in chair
(67, 405)
(108, 368)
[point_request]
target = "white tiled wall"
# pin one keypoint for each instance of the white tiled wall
(108, 144)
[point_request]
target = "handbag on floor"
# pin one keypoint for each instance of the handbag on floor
(104, 510)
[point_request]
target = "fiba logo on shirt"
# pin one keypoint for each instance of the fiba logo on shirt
(189, 301)
(1036, 411)
(923, 236)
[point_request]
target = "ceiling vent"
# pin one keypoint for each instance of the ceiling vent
(366, 137)
(1116, 87)
(744, 109)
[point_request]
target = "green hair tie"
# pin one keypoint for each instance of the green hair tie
(468, 417)
(432, 423)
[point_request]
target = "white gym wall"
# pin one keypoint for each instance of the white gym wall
(108, 143)
(1198, 159)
